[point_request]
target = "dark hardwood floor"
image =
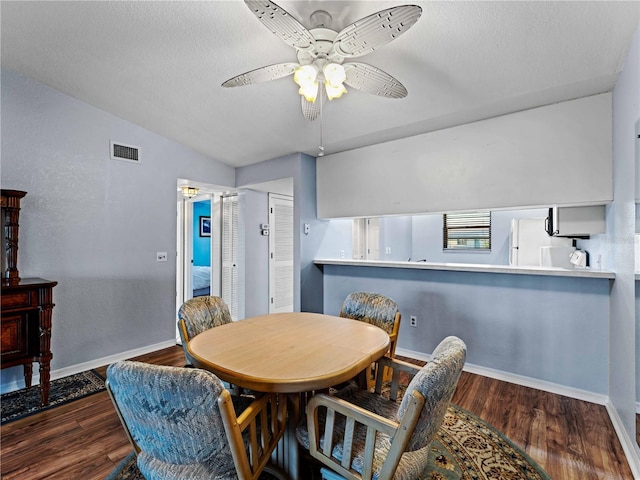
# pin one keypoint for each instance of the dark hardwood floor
(570, 439)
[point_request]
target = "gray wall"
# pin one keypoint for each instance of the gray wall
(307, 278)
(256, 253)
(95, 224)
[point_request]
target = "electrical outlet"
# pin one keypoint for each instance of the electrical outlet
(161, 256)
(413, 321)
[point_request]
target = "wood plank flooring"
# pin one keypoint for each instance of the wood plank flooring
(570, 439)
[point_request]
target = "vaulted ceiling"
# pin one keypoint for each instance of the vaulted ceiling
(160, 65)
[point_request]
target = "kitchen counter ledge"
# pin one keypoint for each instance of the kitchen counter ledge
(473, 267)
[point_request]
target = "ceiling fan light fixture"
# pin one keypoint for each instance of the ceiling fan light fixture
(334, 74)
(309, 92)
(306, 76)
(321, 51)
(334, 91)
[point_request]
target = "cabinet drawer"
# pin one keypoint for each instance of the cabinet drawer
(16, 299)
(14, 336)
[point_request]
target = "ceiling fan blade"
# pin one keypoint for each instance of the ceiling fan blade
(262, 74)
(311, 111)
(371, 79)
(367, 34)
(282, 24)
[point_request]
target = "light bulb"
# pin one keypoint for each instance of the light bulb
(305, 75)
(334, 74)
(309, 92)
(334, 91)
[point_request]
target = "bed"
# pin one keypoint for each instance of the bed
(201, 281)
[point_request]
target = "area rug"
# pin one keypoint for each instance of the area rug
(466, 448)
(25, 402)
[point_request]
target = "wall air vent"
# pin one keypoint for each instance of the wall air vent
(129, 153)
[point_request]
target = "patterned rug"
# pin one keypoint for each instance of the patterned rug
(25, 402)
(466, 449)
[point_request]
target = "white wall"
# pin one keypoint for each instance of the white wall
(95, 224)
(561, 152)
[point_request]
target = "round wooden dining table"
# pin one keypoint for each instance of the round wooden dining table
(288, 352)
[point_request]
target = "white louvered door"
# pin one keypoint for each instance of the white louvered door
(280, 253)
(230, 254)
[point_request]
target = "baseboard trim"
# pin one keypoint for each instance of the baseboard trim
(550, 387)
(629, 445)
(82, 367)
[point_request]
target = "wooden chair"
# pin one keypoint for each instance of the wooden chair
(183, 423)
(362, 435)
(378, 310)
(199, 314)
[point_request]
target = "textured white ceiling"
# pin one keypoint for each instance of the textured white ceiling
(160, 65)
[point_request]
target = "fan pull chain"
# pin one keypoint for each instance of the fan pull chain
(321, 148)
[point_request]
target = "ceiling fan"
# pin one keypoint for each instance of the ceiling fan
(321, 53)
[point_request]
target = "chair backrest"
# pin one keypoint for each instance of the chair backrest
(182, 423)
(376, 309)
(373, 308)
(199, 314)
(436, 382)
(171, 414)
(345, 433)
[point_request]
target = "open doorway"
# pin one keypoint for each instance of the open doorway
(198, 259)
(201, 257)
(240, 243)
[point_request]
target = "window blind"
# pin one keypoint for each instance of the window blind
(467, 231)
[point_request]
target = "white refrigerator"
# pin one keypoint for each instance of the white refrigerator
(531, 246)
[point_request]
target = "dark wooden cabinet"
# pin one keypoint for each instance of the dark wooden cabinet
(26, 305)
(25, 323)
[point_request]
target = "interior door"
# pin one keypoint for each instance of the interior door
(230, 250)
(280, 253)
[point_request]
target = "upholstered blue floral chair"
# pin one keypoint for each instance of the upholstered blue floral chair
(199, 314)
(378, 310)
(367, 435)
(183, 423)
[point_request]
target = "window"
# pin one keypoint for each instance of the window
(467, 231)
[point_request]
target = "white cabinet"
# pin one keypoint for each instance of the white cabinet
(576, 221)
